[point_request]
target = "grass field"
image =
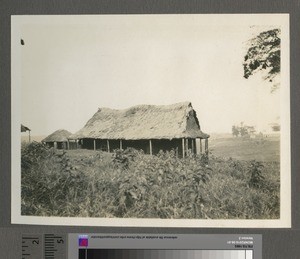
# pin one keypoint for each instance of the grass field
(87, 183)
(260, 149)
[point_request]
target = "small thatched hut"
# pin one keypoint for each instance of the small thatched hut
(147, 127)
(58, 139)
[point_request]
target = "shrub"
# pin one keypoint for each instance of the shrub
(132, 184)
(257, 178)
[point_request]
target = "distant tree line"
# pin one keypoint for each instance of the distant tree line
(242, 130)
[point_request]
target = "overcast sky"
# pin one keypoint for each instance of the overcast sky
(72, 65)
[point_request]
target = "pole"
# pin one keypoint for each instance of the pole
(183, 148)
(150, 145)
(200, 146)
(186, 145)
(193, 146)
(108, 149)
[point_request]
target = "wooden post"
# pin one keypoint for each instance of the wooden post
(121, 146)
(200, 146)
(186, 145)
(108, 149)
(76, 143)
(193, 146)
(206, 146)
(150, 145)
(94, 144)
(55, 145)
(183, 148)
(68, 144)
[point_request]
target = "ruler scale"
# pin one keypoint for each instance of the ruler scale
(55, 246)
(32, 247)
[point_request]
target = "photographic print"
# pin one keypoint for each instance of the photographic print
(151, 120)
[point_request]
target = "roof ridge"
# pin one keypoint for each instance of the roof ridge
(184, 103)
(143, 122)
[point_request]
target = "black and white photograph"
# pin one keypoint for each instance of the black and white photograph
(151, 120)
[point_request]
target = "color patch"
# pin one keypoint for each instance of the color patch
(83, 240)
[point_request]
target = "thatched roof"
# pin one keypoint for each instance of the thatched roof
(58, 136)
(24, 128)
(143, 122)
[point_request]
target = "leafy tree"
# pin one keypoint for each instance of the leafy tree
(264, 54)
(235, 131)
(244, 131)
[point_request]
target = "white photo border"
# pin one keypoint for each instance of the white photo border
(284, 221)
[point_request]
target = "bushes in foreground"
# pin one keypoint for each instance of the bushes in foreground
(131, 184)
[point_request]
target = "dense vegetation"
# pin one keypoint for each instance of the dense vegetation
(85, 183)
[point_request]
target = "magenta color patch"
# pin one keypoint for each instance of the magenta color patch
(83, 242)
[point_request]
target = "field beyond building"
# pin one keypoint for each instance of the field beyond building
(265, 148)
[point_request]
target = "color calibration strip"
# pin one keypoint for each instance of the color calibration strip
(164, 246)
(163, 254)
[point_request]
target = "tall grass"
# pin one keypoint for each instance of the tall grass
(79, 183)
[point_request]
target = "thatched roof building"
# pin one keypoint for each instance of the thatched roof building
(142, 123)
(58, 139)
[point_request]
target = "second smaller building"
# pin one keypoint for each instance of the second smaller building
(58, 139)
